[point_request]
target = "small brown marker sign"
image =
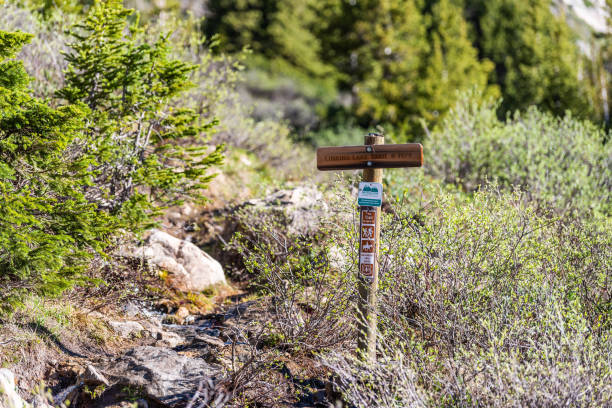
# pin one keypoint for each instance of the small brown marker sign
(367, 242)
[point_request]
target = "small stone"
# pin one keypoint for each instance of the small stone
(91, 376)
(8, 393)
(126, 329)
(40, 402)
(169, 339)
(131, 310)
(213, 341)
(96, 315)
(182, 312)
(338, 258)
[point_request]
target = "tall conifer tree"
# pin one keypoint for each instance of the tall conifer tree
(536, 59)
(452, 63)
(280, 30)
(403, 59)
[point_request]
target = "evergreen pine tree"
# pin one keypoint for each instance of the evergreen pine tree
(48, 230)
(536, 60)
(279, 30)
(403, 59)
(149, 152)
(597, 67)
(452, 64)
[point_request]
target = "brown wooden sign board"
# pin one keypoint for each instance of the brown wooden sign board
(370, 156)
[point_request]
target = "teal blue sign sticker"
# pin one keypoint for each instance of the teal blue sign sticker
(370, 194)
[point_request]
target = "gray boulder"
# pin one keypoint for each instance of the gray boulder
(168, 339)
(162, 374)
(190, 268)
(127, 329)
(9, 398)
(303, 208)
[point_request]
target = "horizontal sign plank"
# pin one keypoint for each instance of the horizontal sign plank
(370, 156)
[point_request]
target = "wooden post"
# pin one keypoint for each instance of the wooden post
(372, 158)
(368, 288)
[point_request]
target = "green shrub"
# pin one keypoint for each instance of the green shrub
(562, 161)
(41, 57)
(123, 148)
(48, 230)
(497, 303)
(148, 148)
(216, 96)
(309, 292)
(484, 300)
(344, 135)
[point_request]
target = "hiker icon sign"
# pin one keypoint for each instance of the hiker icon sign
(370, 194)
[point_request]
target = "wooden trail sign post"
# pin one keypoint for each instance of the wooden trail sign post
(372, 158)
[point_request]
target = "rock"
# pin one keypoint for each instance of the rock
(182, 313)
(131, 309)
(213, 341)
(70, 393)
(142, 403)
(40, 401)
(191, 268)
(126, 329)
(169, 339)
(188, 210)
(8, 394)
(302, 206)
(96, 315)
(152, 324)
(91, 376)
(162, 374)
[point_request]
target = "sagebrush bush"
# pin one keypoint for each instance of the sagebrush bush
(486, 299)
(392, 382)
(563, 161)
(310, 289)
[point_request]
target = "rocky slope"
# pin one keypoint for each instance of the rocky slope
(162, 353)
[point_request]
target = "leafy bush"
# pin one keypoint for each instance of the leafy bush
(41, 57)
(486, 301)
(307, 286)
(345, 135)
(563, 161)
